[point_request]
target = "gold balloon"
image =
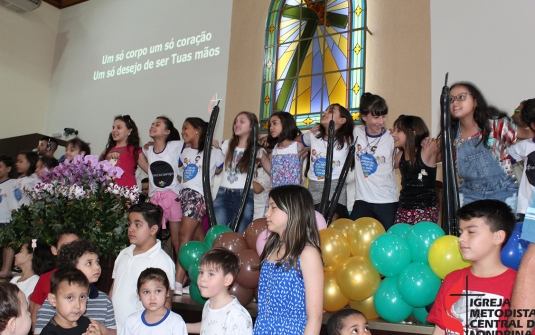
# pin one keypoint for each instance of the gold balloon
(357, 278)
(342, 225)
(334, 248)
(366, 307)
(362, 234)
(333, 299)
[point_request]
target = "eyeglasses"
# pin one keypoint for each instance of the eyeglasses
(459, 97)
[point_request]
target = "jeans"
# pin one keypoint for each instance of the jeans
(226, 206)
(384, 213)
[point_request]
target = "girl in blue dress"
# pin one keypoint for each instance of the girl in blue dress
(291, 274)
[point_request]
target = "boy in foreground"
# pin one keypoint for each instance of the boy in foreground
(348, 321)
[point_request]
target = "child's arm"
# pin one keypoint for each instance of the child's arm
(438, 331)
(257, 188)
(194, 328)
(397, 159)
(103, 329)
(312, 269)
(142, 162)
(429, 153)
(94, 328)
(266, 162)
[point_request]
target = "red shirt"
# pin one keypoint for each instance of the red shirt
(124, 158)
(42, 288)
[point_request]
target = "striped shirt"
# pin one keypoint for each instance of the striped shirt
(99, 308)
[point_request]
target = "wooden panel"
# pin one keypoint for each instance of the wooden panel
(64, 3)
(11, 146)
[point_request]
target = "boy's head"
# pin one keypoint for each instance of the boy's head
(6, 166)
(144, 222)
(348, 321)
(14, 315)
(218, 269)
(484, 224)
(69, 289)
(83, 255)
(64, 236)
(527, 110)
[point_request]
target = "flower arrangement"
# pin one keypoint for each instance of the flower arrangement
(79, 194)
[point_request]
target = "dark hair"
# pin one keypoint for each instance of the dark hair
(415, 131)
(144, 180)
(9, 162)
(245, 160)
(482, 113)
(174, 134)
(81, 145)
(221, 258)
(49, 162)
(153, 274)
(200, 124)
(150, 212)
(9, 303)
(66, 231)
(71, 253)
(336, 321)
(132, 140)
(52, 143)
(344, 134)
(43, 260)
(70, 275)
(372, 104)
(301, 229)
(528, 112)
(32, 158)
(496, 214)
(289, 129)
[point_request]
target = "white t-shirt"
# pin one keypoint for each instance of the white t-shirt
(24, 184)
(163, 167)
(191, 159)
(261, 199)
(524, 151)
(231, 319)
(231, 177)
(26, 286)
(126, 271)
(318, 155)
(171, 324)
(374, 167)
(7, 200)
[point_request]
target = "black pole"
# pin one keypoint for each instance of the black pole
(328, 168)
(341, 181)
(207, 188)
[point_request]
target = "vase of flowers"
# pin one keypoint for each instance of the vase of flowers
(79, 194)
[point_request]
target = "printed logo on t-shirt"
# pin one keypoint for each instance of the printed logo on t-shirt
(162, 174)
(2, 196)
(113, 157)
(232, 172)
(369, 164)
(191, 168)
(18, 194)
(530, 168)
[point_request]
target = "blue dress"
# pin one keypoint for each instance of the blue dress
(281, 301)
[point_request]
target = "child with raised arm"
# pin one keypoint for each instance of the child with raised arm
(485, 227)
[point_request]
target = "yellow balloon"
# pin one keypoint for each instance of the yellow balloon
(333, 299)
(366, 307)
(357, 278)
(334, 248)
(362, 234)
(342, 225)
(445, 257)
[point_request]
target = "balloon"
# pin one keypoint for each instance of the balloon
(400, 229)
(213, 233)
(190, 252)
(342, 225)
(231, 241)
(388, 303)
(334, 248)
(195, 294)
(362, 234)
(420, 314)
(253, 231)
(366, 307)
(418, 285)
(248, 276)
(445, 256)
(320, 221)
(514, 249)
(261, 241)
(333, 299)
(244, 295)
(389, 254)
(420, 238)
(193, 271)
(357, 279)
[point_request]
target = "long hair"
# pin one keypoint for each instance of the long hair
(202, 125)
(43, 260)
(132, 140)
(301, 229)
(80, 144)
(482, 113)
(415, 131)
(244, 162)
(32, 158)
(372, 104)
(289, 129)
(344, 134)
(174, 134)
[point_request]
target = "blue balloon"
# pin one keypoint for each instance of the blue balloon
(515, 248)
(388, 303)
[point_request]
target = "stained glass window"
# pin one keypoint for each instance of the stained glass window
(314, 56)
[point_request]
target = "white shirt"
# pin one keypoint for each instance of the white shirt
(171, 324)
(163, 167)
(7, 200)
(232, 177)
(126, 271)
(318, 155)
(524, 151)
(261, 199)
(26, 286)
(191, 159)
(231, 319)
(24, 184)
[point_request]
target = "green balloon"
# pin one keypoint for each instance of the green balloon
(193, 272)
(195, 294)
(420, 314)
(418, 285)
(390, 254)
(213, 233)
(191, 252)
(420, 237)
(388, 303)
(400, 229)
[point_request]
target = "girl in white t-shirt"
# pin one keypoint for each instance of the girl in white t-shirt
(238, 157)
